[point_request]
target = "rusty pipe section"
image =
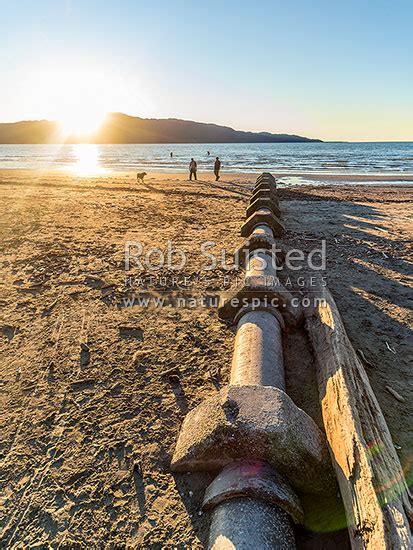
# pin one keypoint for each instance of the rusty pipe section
(244, 523)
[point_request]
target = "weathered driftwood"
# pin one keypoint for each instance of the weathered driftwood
(375, 494)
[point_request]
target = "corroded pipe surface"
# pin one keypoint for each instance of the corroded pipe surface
(258, 355)
(249, 524)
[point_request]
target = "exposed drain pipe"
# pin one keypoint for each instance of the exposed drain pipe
(256, 517)
(243, 522)
(258, 355)
(252, 429)
(257, 361)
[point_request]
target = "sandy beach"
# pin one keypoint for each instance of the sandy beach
(90, 417)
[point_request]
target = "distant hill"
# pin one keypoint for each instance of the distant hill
(121, 128)
(33, 131)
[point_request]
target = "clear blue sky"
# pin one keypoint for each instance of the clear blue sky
(328, 69)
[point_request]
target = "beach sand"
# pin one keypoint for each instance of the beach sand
(89, 421)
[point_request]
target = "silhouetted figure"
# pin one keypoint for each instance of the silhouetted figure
(172, 154)
(192, 169)
(208, 153)
(217, 168)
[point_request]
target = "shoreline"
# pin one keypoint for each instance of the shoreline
(303, 178)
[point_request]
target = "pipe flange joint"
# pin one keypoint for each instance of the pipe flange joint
(255, 422)
(254, 479)
(263, 215)
(272, 295)
(262, 307)
(256, 242)
(267, 177)
(264, 202)
(264, 192)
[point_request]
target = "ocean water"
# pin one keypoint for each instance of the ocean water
(295, 159)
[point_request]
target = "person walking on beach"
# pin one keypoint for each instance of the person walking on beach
(192, 169)
(172, 154)
(217, 168)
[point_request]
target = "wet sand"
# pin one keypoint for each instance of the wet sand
(89, 419)
(347, 178)
(321, 177)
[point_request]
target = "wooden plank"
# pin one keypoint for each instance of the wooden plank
(374, 490)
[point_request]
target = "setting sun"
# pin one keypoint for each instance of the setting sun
(81, 120)
(82, 106)
(79, 96)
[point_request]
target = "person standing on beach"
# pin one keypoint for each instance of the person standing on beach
(192, 169)
(172, 154)
(217, 168)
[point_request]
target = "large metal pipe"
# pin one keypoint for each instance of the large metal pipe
(262, 229)
(242, 522)
(258, 354)
(261, 264)
(244, 503)
(245, 523)
(251, 506)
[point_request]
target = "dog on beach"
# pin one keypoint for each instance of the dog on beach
(140, 176)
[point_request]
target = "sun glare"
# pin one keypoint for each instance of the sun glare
(86, 157)
(79, 96)
(81, 121)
